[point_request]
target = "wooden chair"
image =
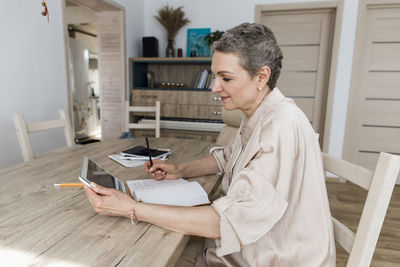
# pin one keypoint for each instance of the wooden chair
(24, 129)
(152, 109)
(379, 184)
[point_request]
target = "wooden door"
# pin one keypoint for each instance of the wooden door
(305, 37)
(373, 122)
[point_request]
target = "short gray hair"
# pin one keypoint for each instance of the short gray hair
(256, 46)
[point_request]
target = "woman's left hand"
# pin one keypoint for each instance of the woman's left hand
(110, 201)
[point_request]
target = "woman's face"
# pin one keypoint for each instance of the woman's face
(235, 86)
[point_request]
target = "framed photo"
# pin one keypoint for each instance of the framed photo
(196, 43)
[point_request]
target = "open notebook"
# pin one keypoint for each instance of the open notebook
(177, 192)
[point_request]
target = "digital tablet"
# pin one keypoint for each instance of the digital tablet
(91, 172)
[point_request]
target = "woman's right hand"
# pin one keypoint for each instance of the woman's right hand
(163, 170)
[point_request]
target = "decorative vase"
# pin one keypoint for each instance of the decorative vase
(170, 51)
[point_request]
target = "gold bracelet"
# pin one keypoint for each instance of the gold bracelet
(133, 217)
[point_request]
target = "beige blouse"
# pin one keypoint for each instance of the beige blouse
(275, 209)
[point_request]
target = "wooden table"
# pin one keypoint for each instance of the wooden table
(43, 225)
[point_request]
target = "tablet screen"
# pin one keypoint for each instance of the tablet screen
(94, 173)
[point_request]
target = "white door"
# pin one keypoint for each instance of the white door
(305, 37)
(373, 122)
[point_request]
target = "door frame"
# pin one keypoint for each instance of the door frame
(122, 92)
(338, 6)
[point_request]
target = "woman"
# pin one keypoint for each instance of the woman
(274, 208)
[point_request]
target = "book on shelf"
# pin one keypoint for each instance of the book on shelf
(211, 83)
(202, 79)
(208, 81)
(197, 80)
(177, 192)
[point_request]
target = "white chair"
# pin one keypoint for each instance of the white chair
(379, 184)
(152, 109)
(24, 129)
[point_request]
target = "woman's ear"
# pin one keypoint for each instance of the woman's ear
(263, 75)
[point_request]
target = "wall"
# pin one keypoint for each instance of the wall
(33, 74)
(342, 88)
(222, 15)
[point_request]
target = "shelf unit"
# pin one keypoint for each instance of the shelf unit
(178, 103)
(168, 70)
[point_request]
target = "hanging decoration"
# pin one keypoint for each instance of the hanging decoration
(45, 11)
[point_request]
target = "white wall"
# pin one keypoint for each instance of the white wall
(33, 74)
(224, 14)
(342, 89)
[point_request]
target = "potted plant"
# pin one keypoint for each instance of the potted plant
(172, 20)
(214, 36)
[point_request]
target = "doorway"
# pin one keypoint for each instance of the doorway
(84, 81)
(96, 68)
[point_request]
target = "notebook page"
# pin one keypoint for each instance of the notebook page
(151, 183)
(145, 184)
(181, 194)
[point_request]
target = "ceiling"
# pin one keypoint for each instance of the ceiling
(96, 5)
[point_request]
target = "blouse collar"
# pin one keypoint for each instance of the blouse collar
(249, 124)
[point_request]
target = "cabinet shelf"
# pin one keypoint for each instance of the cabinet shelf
(171, 60)
(166, 70)
(191, 105)
(173, 89)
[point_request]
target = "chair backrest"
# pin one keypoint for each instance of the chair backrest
(232, 119)
(379, 184)
(24, 129)
(152, 109)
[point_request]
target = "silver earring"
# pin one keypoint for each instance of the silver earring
(259, 88)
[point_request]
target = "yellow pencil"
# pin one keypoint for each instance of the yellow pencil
(68, 184)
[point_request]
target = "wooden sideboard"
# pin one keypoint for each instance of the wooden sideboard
(177, 103)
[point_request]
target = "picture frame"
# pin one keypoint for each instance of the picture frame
(196, 43)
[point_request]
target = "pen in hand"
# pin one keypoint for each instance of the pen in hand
(151, 162)
(148, 152)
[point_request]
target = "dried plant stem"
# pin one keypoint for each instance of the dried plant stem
(172, 20)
